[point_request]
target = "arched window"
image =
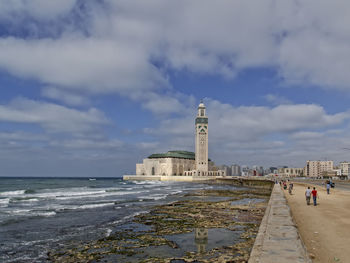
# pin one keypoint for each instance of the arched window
(153, 171)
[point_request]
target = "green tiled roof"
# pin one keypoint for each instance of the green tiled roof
(174, 154)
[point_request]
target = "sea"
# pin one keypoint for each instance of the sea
(40, 214)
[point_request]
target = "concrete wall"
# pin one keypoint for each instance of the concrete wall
(278, 238)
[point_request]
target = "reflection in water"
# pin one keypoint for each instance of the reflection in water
(201, 239)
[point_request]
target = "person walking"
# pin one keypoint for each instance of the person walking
(328, 187)
(308, 195)
(290, 188)
(314, 196)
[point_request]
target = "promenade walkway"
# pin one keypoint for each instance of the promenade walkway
(325, 229)
(278, 240)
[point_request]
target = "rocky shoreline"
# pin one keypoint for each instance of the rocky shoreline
(204, 226)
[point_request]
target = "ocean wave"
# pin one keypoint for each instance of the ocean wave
(45, 214)
(23, 199)
(67, 193)
(12, 193)
(29, 212)
(126, 218)
(148, 182)
(18, 211)
(95, 205)
(153, 197)
(176, 192)
(4, 202)
(62, 208)
(103, 194)
(108, 232)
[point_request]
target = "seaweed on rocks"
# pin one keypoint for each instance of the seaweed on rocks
(168, 225)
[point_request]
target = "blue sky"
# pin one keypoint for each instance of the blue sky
(89, 88)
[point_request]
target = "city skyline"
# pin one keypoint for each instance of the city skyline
(89, 88)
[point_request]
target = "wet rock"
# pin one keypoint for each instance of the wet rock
(179, 217)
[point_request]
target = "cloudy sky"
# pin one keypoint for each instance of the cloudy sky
(89, 88)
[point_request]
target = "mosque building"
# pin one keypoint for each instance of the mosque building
(184, 163)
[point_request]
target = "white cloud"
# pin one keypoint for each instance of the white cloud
(276, 99)
(40, 9)
(260, 135)
(305, 41)
(52, 117)
(127, 47)
(98, 66)
(66, 97)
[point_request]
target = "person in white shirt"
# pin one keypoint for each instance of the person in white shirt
(308, 195)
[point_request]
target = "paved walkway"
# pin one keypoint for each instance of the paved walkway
(278, 240)
(325, 228)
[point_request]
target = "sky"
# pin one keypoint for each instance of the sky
(90, 88)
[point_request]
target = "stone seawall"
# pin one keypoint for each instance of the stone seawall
(247, 181)
(238, 181)
(278, 239)
(167, 178)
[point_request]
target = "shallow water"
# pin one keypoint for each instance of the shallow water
(38, 214)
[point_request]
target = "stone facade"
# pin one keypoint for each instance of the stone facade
(165, 166)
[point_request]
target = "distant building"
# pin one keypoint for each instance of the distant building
(345, 168)
(271, 170)
(226, 169)
(258, 170)
(316, 168)
(235, 170)
(290, 172)
(184, 162)
(246, 171)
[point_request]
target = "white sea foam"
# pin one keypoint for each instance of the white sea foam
(176, 192)
(103, 194)
(30, 200)
(108, 232)
(18, 211)
(12, 193)
(46, 214)
(4, 202)
(95, 205)
(153, 197)
(60, 208)
(29, 212)
(57, 194)
(20, 200)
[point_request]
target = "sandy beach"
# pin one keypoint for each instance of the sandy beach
(325, 228)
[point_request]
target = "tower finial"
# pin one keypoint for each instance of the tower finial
(201, 101)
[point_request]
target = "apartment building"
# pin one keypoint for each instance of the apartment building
(345, 168)
(316, 168)
(290, 172)
(235, 170)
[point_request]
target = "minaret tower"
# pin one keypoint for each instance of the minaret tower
(201, 141)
